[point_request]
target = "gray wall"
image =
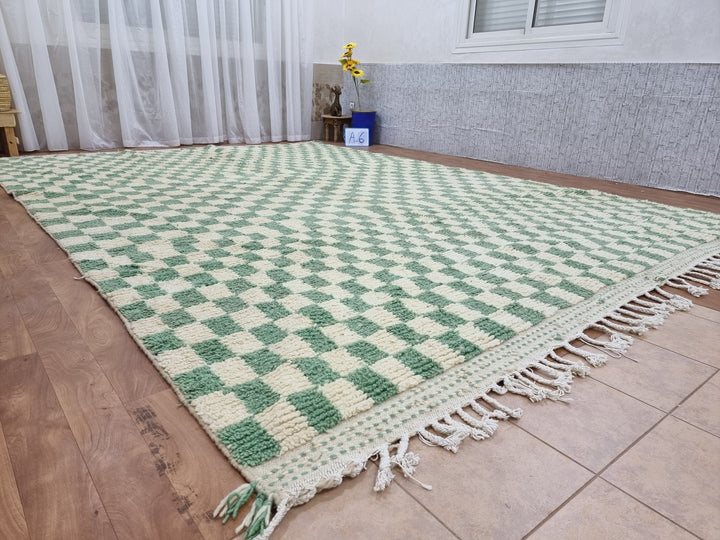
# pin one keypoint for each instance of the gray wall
(649, 124)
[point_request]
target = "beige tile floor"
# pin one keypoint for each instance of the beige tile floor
(635, 455)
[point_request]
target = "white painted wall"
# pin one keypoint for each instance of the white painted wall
(425, 31)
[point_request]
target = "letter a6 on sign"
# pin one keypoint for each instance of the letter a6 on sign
(357, 137)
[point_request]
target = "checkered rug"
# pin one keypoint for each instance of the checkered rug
(314, 306)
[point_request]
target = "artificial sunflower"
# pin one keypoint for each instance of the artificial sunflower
(349, 64)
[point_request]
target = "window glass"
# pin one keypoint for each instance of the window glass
(494, 15)
(557, 12)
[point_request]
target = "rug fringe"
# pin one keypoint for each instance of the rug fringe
(256, 520)
(233, 501)
(705, 273)
(549, 377)
(406, 461)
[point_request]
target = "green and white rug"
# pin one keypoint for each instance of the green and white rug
(315, 306)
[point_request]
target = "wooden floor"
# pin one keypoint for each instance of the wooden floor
(94, 444)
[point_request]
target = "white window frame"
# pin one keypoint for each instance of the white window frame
(608, 32)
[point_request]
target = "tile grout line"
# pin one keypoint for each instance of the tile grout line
(633, 497)
(598, 475)
(699, 428)
(666, 413)
(428, 511)
(639, 338)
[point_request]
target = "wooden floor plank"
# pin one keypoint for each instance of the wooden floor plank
(57, 492)
(139, 502)
(14, 258)
(14, 338)
(126, 366)
(12, 517)
(38, 244)
(200, 473)
(710, 301)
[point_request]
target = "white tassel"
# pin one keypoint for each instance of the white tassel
(499, 407)
(475, 432)
(615, 346)
(482, 411)
(680, 283)
(451, 442)
(517, 383)
(553, 371)
(594, 359)
(704, 272)
(407, 461)
(576, 368)
(654, 319)
(636, 319)
(630, 328)
(661, 300)
(638, 306)
(659, 306)
(486, 425)
(678, 302)
(385, 475)
(615, 337)
(692, 276)
(713, 267)
(561, 383)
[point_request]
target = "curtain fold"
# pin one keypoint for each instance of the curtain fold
(95, 74)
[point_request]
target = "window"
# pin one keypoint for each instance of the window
(521, 24)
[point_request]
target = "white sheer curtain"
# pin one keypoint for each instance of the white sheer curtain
(109, 73)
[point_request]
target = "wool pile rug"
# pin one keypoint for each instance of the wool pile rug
(315, 306)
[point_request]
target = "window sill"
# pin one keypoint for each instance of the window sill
(475, 45)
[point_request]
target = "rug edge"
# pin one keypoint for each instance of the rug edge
(704, 272)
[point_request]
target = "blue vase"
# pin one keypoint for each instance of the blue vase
(364, 119)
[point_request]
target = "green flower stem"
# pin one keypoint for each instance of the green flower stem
(357, 91)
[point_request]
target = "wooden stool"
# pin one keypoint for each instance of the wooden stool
(7, 132)
(337, 123)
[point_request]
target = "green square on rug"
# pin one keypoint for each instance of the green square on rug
(315, 306)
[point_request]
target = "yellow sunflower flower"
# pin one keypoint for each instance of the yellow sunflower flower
(348, 64)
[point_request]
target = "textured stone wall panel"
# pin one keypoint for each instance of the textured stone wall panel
(649, 124)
